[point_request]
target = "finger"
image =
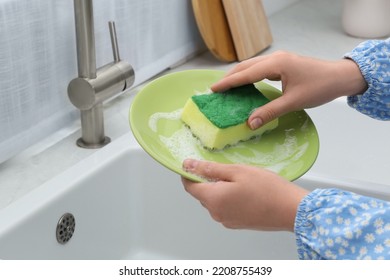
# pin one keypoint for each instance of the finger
(244, 65)
(197, 190)
(250, 72)
(269, 112)
(232, 81)
(223, 84)
(212, 171)
(203, 192)
(236, 79)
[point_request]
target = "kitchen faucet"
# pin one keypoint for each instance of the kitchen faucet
(93, 86)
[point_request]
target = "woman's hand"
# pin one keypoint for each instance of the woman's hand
(306, 82)
(244, 197)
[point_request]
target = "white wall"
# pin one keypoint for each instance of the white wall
(38, 57)
(273, 6)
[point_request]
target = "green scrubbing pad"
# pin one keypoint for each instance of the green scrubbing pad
(219, 119)
(231, 107)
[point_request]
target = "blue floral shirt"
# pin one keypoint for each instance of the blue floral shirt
(335, 224)
(373, 59)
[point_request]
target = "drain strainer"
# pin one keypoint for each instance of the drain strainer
(65, 228)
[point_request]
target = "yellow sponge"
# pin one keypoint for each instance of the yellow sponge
(219, 119)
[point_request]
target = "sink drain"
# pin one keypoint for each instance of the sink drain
(65, 228)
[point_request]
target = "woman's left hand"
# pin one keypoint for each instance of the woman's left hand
(244, 197)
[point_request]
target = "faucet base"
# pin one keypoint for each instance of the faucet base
(80, 142)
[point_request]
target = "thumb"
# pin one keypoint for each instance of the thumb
(210, 170)
(268, 112)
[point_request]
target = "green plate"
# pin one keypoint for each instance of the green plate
(289, 150)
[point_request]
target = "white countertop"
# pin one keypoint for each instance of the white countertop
(310, 27)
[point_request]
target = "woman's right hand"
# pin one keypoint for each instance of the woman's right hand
(306, 82)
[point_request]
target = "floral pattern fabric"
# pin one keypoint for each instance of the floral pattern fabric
(373, 59)
(335, 224)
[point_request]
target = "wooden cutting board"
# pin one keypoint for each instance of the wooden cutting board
(248, 26)
(214, 28)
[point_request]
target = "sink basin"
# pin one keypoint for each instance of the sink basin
(127, 206)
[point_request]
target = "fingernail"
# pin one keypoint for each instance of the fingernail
(189, 164)
(255, 123)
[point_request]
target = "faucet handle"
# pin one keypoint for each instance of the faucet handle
(114, 41)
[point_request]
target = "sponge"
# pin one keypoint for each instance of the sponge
(219, 119)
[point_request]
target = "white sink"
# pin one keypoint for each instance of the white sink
(127, 206)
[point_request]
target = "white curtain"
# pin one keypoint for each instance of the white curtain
(38, 56)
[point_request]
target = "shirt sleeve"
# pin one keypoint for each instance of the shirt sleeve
(373, 59)
(335, 224)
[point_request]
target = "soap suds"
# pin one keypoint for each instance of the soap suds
(182, 145)
(206, 91)
(153, 120)
(281, 153)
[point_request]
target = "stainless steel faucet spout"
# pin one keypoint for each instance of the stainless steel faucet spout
(93, 86)
(85, 38)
